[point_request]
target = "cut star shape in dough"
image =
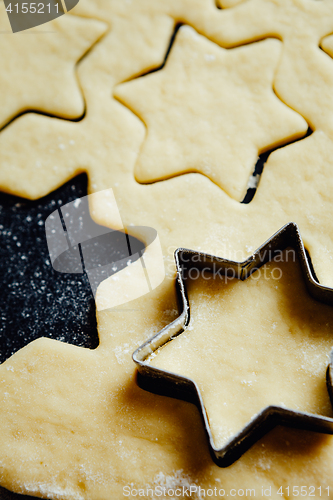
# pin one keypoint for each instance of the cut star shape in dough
(301, 24)
(210, 110)
(230, 368)
(47, 59)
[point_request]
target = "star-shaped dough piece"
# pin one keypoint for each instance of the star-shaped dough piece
(272, 360)
(210, 110)
(47, 60)
(301, 24)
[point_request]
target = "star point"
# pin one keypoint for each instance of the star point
(54, 90)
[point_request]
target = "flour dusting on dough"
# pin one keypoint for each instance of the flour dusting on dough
(53, 491)
(177, 480)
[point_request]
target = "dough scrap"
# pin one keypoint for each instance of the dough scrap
(210, 110)
(295, 85)
(307, 20)
(54, 90)
(276, 354)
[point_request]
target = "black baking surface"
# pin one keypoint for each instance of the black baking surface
(36, 300)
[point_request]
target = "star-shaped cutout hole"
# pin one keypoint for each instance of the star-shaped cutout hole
(36, 299)
(254, 353)
(210, 110)
(47, 58)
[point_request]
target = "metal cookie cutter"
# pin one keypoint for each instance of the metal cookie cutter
(167, 383)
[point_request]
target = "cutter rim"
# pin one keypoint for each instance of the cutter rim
(162, 381)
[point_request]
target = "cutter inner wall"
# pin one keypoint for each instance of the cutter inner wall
(275, 353)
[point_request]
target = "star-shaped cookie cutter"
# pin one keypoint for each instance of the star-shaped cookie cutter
(166, 383)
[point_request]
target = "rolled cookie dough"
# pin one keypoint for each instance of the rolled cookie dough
(75, 424)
